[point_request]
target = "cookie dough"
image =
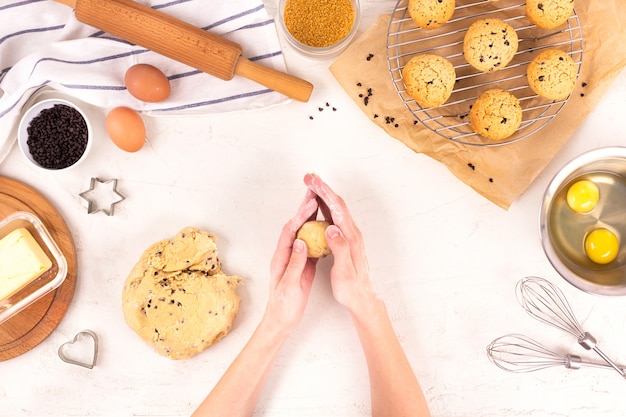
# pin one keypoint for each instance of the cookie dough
(429, 79)
(490, 44)
(552, 74)
(496, 114)
(313, 233)
(177, 298)
(431, 14)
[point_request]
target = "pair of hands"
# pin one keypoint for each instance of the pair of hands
(292, 272)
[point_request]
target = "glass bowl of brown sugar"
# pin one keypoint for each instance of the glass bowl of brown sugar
(319, 28)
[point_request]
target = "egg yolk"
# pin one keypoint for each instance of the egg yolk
(601, 246)
(583, 196)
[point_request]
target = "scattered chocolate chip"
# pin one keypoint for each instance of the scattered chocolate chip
(490, 179)
(541, 78)
(584, 84)
(366, 100)
(358, 84)
(471, 166)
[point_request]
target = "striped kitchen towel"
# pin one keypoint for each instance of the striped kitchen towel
(42, 45)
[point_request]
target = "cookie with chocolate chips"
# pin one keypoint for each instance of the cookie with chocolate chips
(490, 44)
(552, 74)
(549, 14)
(496, 114)
(431, 14)
(429, 79)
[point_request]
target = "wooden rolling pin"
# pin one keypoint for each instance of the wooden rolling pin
(183, 42)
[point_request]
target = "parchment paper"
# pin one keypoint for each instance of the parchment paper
(500, 173)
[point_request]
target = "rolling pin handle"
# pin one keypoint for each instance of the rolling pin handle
(280, 82)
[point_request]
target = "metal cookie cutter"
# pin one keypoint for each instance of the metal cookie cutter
(76, 351)
(100, 195)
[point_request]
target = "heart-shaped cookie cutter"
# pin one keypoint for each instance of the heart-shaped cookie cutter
(84, 334)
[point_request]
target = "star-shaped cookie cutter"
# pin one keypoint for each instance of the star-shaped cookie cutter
(94, 202)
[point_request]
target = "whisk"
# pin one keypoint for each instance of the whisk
(518, 353)
(545, 302)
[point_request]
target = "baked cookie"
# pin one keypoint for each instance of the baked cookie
(431, 14)
(429, 79)
(548, 14)
(489, 44)
(177, 298)
(552, 74)
(496, 114)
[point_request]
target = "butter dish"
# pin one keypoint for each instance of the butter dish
(33, 266)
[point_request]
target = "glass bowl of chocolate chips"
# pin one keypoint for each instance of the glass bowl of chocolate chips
(54, 135)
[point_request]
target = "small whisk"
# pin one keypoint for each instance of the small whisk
(520, 354)
(545, 302)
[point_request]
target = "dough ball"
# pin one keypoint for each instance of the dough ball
(313, 233)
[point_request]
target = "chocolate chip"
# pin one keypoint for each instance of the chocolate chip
(57, 137)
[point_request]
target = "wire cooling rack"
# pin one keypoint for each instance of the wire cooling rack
(451, 120)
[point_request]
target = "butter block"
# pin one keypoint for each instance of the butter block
(21, 261)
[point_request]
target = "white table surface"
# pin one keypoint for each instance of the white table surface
(444, 259)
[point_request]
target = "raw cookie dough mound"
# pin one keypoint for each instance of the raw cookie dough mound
(552, 74)
(496, 114)
(431, 14)
(489, 44)
(548, 14)
(429, 79)
(177, 298)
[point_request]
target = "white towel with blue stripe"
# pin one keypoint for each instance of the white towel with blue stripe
(42, 45)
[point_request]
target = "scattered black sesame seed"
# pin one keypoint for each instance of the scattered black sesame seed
(582, 94)
(359, 84)
(310, 117)
(471, 166)
(320, 109)
(369, 57)
(584, 84)
(490, 179)
(334, 108)
(366, 100)
(327, 105)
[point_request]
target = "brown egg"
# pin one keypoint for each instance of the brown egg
(147, 83)
(126, 129)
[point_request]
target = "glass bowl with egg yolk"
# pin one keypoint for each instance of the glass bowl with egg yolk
(582, 221)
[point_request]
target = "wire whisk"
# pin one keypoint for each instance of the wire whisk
(520, 354)
(545, 302)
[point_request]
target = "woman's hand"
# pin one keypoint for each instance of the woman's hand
(291, 272)
(349, 275)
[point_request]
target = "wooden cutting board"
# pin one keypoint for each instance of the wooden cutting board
(31, 326)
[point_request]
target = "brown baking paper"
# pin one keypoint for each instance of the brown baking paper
(499, 173)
